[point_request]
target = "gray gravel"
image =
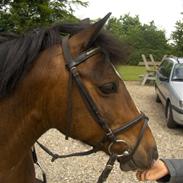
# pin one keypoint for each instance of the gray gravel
(87, 169)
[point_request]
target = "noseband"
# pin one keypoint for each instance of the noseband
(110, 135)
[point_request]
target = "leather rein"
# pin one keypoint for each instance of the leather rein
(110, 134)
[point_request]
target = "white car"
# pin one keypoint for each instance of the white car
(169, 89)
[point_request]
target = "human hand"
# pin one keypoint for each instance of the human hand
(157, 171)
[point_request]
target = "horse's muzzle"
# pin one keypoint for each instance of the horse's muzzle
(139, 161)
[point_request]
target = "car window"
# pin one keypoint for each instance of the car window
(165, 68)
(178, 72)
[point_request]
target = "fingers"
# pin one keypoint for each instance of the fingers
(141, 175)
(138, 175)
(157, 171)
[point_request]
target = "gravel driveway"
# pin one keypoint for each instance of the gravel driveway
(87, 169)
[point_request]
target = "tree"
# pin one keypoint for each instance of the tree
(123, 26)
(20, 15)
(177, 36)
(142, 38)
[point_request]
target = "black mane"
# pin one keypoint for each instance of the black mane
(18, 52)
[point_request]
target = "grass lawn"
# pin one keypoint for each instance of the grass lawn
(131, 73)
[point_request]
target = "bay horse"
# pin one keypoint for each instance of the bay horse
(69, 84)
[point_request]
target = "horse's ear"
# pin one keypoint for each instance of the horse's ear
(86, 37)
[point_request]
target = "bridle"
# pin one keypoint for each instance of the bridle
(110, 135)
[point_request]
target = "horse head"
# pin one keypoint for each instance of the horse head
(103, 113)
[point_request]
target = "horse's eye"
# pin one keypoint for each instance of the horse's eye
(108, 88)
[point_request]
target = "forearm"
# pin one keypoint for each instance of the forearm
(175, 167)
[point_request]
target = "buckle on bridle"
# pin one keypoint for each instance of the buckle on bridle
(125, 153)
(110, 135)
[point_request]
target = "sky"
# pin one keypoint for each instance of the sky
(165, 13)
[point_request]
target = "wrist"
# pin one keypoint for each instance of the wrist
(164, 167)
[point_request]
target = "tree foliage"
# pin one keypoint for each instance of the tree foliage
(177, 37)
(142, 38)
(20, 15)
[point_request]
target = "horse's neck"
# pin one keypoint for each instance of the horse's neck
(22, 119)
(29, 112)
(19, 130)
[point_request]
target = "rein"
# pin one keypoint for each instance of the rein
(110, 134)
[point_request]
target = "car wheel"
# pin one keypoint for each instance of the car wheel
(158, 99)
(169, 117)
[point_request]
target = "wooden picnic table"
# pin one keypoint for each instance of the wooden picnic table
(151, 67)
(149, 63)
